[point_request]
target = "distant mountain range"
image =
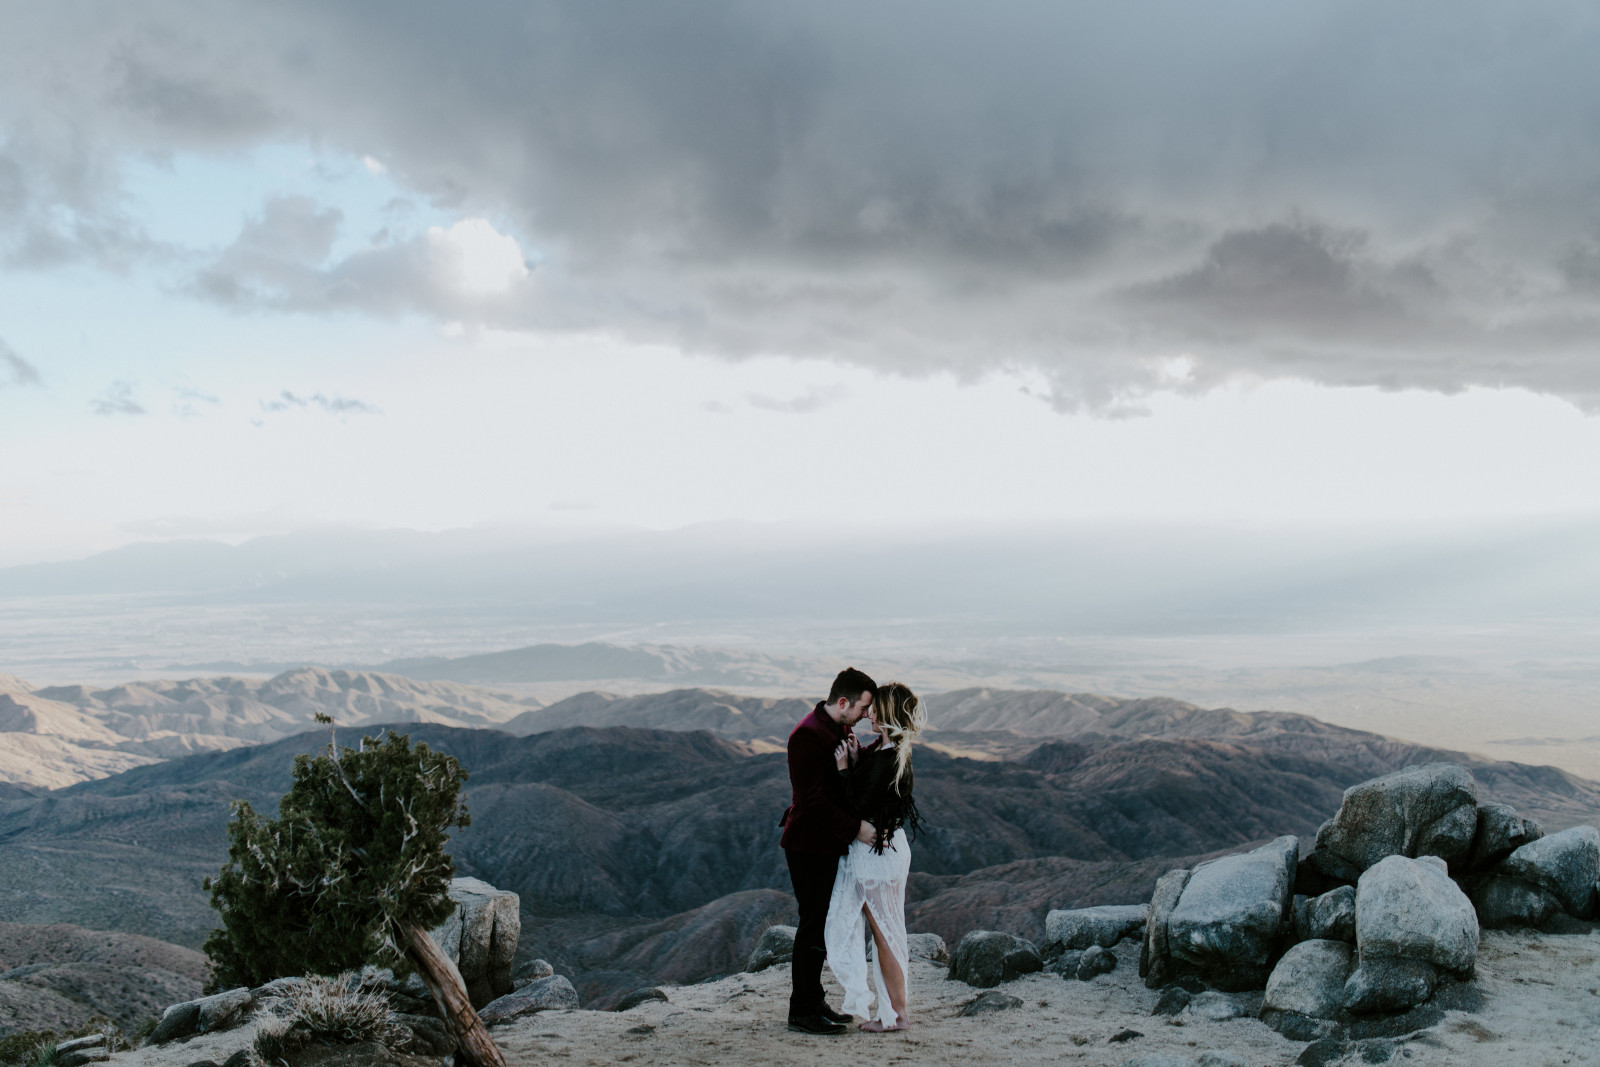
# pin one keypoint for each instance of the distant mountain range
(641, 848)
(597, 660)
(58, 735)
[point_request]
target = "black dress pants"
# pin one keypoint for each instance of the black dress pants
(812, 876)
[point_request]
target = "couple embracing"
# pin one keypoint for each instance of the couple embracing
(845, 839)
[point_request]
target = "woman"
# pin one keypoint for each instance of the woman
(870, 888)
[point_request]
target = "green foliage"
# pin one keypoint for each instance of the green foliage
(21, 1047)
(144, 1029)
(37, 1048)
(357, 850)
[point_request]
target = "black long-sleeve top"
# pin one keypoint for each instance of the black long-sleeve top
(869, 788)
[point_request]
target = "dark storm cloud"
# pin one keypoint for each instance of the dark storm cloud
(1352, 193)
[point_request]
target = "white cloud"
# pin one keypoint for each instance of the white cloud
(475, 258)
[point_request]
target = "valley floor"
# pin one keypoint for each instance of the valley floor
(1541, 1007)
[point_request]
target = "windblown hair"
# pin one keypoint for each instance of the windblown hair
(897, 709)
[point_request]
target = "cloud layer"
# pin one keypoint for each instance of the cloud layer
(1110, 199)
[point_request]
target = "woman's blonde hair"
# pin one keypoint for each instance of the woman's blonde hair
(896, 708)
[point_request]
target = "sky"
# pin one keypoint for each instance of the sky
(277, 266)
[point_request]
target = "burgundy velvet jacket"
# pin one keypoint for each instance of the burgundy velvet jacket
(819, 819)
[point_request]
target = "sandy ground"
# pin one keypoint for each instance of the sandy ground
(1541, 1007)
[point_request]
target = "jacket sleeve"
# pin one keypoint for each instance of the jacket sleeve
(810, 765)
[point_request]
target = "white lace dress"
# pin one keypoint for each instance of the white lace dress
(866, 879)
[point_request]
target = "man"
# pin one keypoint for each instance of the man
(817, 831)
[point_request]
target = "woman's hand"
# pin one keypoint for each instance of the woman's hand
(854, 745)
(841, 755)
(867, 834)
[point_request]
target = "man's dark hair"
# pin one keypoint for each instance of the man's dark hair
(850, 684)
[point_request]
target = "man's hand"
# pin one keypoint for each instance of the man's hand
(867, 834)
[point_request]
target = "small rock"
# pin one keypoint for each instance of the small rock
(1123, 1035)
(1095, 961)
(775, 945)
(82, 1056)
(177, 1021)
(638, 997)
(1501, 831)
(1215, 1006)
(928, 947)
(1388, 984)
(77, 1043)
(543, 994)
(992, 1000)
(241, 1058)
(203, 1063)
(1158, 1059)
(985, 958)
(222, 1010)
(1066, 964)
(1103, 926)
(1410, 909)
(1309, 979)
(1173, 1000)
(1297, 1027)
(531, 971)
(1565, 864)
(1219, 1058)
(428, 1034)
(1323, 1052)
(642, 1030)
(1332, 916)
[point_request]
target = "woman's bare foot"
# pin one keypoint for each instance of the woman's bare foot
(873, 1026)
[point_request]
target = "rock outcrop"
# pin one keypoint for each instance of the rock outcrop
(1065, 931)
(775, 945)
(1501, 831)
(480, 937)
(1332, 916)
(1430, 810)
(985, 958)
(541, 994)
(1410, 909)
(1310, 978)
(1565, 865)
(1229, 914)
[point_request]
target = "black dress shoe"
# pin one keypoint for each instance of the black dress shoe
(815, 1024)
(835, 1016)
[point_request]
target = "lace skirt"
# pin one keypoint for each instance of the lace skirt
(878, 883)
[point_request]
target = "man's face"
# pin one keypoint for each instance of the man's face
(850, 714)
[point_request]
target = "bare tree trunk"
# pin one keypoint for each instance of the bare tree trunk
(477, 1047)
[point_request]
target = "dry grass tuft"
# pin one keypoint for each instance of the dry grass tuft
(321, 1010)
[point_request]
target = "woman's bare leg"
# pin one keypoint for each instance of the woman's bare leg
(894, 979)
